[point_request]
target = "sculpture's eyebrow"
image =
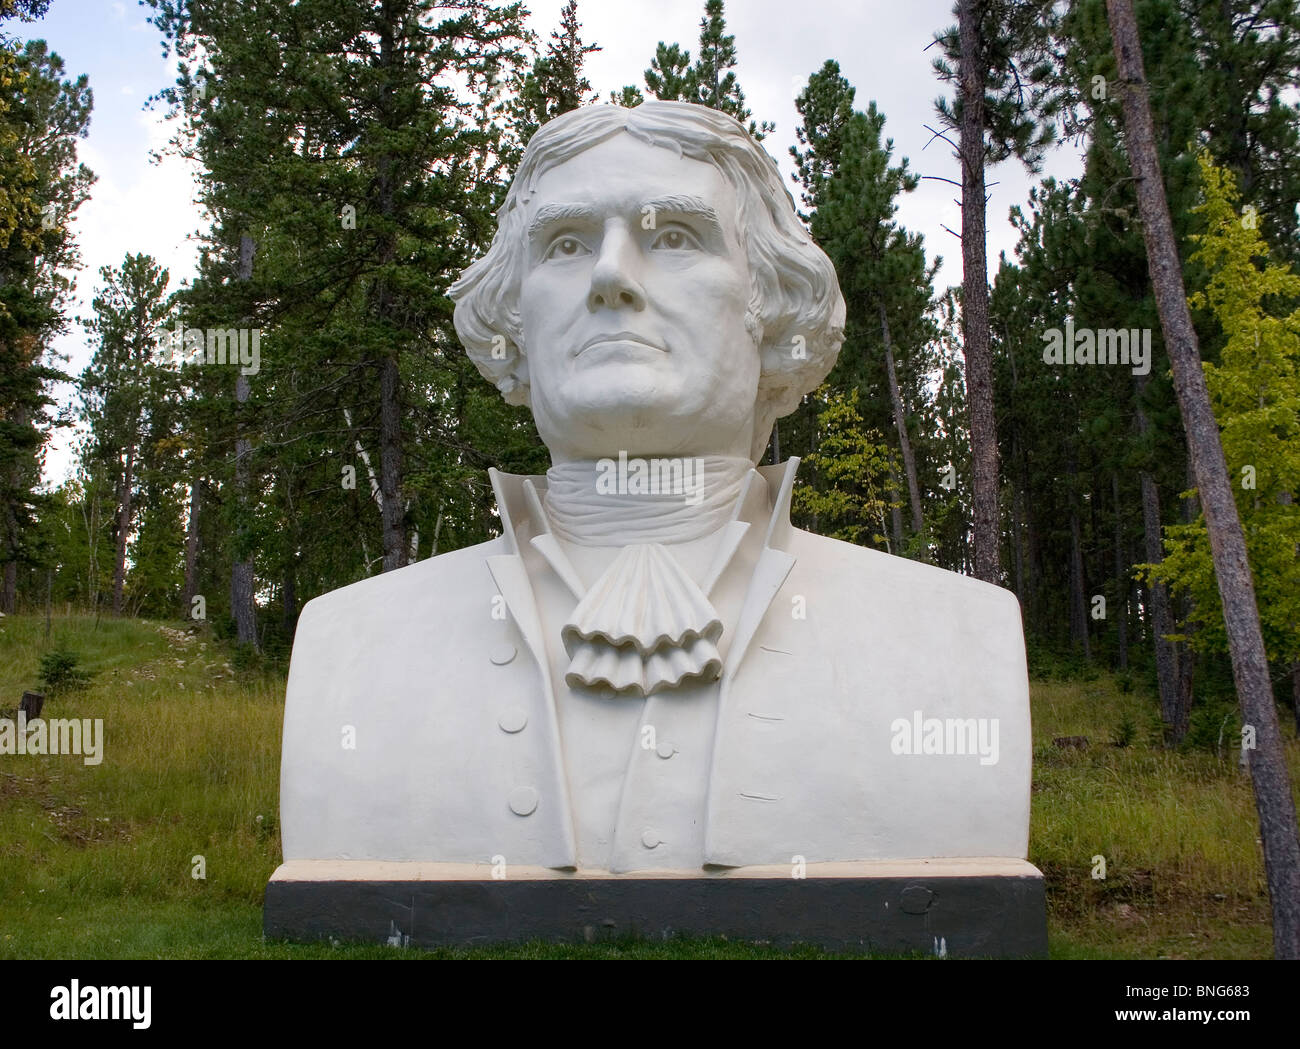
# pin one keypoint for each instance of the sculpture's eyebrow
(548, 214)
(682, 205)
(688, 207)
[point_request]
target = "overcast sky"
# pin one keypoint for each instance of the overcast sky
(138, 206)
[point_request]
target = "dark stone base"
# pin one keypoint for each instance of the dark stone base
(938, 909)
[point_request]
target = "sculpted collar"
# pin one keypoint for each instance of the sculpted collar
(645, 625)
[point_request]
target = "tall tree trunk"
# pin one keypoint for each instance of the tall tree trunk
(1033, 558)
(390, 465)
(1018, 544)
(10, 540)
(1078, 596)
(289, 599)
(1295, 694)
(900, 421)
(123, 530)
(895, 512)
(393, 510)
(1185, 606)
(1169, 673)
(1121, 577)
(242, 606)
(9, 589)
(191, 553)
(975, 298)
(1273, 799)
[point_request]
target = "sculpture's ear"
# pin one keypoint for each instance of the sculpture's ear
(496, 354)
(515, 386)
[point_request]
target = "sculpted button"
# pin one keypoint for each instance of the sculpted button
(650, 839)
(503, 653)
(665, 750)
(512, 719)
(523, 801)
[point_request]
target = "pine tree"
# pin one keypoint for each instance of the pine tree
(367, 185)
(993, 121)
(670, 78)
(882, 268)
(825, 106)
(41, 186)
(124, 387)
(555, 84)
(713, 75)
(711, 81)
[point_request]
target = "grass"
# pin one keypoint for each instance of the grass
(98, 861)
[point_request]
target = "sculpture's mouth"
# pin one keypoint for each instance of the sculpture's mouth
(618, 338)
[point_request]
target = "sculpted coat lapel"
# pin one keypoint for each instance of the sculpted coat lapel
(421, 720)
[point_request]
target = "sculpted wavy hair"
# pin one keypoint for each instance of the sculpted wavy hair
(796, 311)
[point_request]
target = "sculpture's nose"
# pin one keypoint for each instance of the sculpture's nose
(614, 283)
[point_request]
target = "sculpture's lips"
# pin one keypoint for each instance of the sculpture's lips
(617, 337)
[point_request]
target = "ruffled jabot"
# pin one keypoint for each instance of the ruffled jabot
(644, 626)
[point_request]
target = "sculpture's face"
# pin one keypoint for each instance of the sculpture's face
(633, 307)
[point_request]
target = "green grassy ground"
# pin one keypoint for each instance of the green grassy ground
(98, 861)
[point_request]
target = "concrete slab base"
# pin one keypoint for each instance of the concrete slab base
(977, 907)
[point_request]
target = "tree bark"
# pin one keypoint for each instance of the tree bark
(390, 465)
(900, 421)
(289, 600)
(191, 553)
(1295, 694)
(393, 509)
(1078, 596)
(1121, 578)
(9, 589)
(1273, 799)
(123, 529)
(975, 299)
(895, 512)
(1033, 555)
(11, 536)
(242, 605)
(1018, 544)
(1168, 672)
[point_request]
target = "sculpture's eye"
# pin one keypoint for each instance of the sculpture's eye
(675, 240)
(566, 248)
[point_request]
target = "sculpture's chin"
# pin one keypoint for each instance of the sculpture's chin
(621, 425)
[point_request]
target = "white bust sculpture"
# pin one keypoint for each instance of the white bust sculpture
(651, 669)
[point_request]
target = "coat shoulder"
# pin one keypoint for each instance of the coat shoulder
(451, 583)
(859, 569)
